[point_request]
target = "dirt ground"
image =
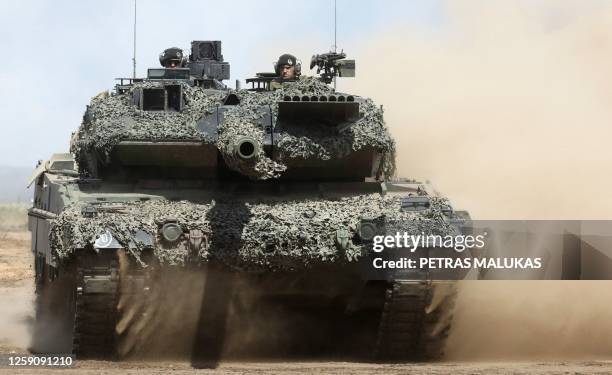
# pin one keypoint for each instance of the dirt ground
(16, 309)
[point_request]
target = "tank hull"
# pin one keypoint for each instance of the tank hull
(115, 291)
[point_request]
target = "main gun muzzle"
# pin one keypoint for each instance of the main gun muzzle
(246, 148)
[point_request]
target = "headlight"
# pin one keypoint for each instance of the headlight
(367, 231)
(171, 232)
(370, 227)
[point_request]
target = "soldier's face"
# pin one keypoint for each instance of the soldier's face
(287, 72)
(172, 64)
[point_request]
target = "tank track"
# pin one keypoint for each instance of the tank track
(97, 312)
(97, 293)
(411, 329)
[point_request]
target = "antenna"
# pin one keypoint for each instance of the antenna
(335, 28)
(335, 35)
(134, 56)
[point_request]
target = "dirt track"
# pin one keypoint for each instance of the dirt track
(16, 297)
(96, 367)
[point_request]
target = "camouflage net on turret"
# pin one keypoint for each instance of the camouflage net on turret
(240, 122)
(248, 235)
(318, 142)
(112, 119)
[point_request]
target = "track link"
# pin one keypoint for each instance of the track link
(96, 315)
(411, 327)
(99, 288)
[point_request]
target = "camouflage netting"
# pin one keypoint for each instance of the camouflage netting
(248, 235)
(240, 122)
(111, 119)
(319, 141)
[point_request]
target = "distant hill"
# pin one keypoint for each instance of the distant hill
(13, 181)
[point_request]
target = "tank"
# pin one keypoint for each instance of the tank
(276, 192)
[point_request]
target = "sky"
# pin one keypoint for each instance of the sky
(61, 53)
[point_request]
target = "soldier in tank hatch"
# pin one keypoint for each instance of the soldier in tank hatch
(287, 68)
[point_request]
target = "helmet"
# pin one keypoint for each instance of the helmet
(287, 59)
(170, 54)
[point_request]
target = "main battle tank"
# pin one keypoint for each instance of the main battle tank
(279, 191)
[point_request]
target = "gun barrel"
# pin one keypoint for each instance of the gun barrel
(246, 148)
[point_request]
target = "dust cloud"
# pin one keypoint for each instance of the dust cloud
(176, 317)
(17, 314)
(497, 320)
(162, 322)
(505, 107)
(507, 110)
(16, 290)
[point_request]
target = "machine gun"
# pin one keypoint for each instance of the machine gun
(332, 64)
